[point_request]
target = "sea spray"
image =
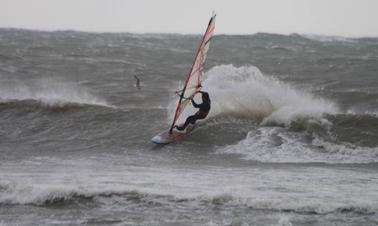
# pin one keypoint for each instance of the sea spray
(246, 92)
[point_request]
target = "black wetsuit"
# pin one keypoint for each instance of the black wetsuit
(204, 109)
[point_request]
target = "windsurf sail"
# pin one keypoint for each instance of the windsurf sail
(192, 83)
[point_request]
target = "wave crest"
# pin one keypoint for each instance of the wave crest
(17, 194)
(246, 92)
(277, 144)
(48, 92)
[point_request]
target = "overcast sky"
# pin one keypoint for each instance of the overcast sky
(324, 17)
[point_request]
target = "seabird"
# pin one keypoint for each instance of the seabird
(137, 83)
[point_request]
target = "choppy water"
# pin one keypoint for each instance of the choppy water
(292, 137)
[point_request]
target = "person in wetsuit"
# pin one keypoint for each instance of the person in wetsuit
(204, 109)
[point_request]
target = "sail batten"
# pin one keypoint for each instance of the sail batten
(192, 82)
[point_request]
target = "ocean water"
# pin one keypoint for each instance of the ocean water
(291, 139)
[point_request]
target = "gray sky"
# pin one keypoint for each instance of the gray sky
(325, 17)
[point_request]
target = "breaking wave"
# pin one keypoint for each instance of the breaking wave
(293, 125)
(325, 38)
(15, 194)
(276, 144)
(48, 92)
(245, 92)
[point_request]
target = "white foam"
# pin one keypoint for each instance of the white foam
(49, 91)
(303, 189)
(355, 111)
(276, 144)
(326, 38)
(246, 92)
(284, 220)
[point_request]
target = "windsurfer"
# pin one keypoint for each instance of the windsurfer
(204, 109)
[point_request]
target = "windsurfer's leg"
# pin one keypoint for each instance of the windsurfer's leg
(191, 119)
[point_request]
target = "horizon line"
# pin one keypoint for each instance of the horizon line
(182, 33)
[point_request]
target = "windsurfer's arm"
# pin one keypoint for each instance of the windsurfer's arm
(194, 104)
